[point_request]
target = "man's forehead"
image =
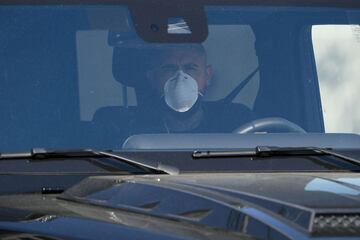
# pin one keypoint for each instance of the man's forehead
(182, 55)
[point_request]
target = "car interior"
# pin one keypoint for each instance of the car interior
(82, 89)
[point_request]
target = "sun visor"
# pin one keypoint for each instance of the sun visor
(169, 21)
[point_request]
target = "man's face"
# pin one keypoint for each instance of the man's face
(190, 60)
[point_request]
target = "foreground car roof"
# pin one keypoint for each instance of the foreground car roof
(297, 205)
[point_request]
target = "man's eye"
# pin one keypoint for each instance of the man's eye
(191, 68)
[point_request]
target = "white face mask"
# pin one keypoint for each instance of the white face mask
(181, 92)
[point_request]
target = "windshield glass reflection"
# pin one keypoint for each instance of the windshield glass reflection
(71, 78)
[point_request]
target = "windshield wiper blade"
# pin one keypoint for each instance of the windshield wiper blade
(267, 151)
(41, 154)
(157, 167)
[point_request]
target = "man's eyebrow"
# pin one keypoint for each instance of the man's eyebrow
(191, 65)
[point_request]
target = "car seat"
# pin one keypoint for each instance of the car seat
(113, 123)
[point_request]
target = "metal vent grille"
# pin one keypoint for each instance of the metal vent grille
(336, 224)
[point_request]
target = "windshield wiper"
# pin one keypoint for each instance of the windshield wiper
(267, 151)
(46, 154)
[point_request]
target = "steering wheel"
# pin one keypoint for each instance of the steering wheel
(278, 125)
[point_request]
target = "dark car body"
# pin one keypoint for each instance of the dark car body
(200, 206)
(278, 175)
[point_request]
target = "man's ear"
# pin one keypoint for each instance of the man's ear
(209, 74)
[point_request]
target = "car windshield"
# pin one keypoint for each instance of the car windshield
(122, 77)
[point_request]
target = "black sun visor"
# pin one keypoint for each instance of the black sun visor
(164, 22)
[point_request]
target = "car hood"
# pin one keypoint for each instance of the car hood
(296, 205)
(318, 204)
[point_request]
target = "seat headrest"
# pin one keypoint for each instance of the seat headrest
(130, 65)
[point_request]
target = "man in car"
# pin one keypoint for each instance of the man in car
(177, 78)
